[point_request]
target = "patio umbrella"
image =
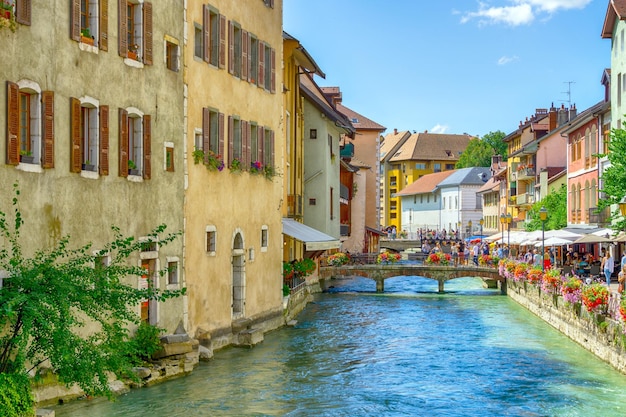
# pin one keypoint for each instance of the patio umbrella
(621, 237)
(563, 234)
(591, 239)
(553, 241)
(494, 238)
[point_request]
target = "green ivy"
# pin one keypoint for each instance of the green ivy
(16, 399)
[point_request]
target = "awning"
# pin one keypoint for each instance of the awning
(313, 240)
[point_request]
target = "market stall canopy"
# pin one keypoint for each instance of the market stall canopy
(591, 238)
(313, 239)
(563, 234)
(553, 241)
(494, 238)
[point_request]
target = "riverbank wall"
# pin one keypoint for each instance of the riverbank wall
(600, 334)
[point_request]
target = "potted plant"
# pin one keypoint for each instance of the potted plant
(132, 168)
(235, 166)
(255, 167)
(269, 172)
(388, 258)
(595, 297)
(26, 157)
(85, 36)
(88, 166)
(198, 156)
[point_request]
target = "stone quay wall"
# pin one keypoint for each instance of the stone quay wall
(600, 334)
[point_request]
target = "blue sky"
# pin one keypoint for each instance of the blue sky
(455, 66)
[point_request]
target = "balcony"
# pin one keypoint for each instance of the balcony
(344, 229)
(344, 194)
(525, 199)
(294, 205)
(524, 174)
(601, 218)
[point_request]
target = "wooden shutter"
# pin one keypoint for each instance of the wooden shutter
(206, 30)
(272, 85)
(271, 161)
(75, 20)
(147, 34)
(222, 63)
(76, 142)
(206, 133)
(103, 41)
(245, 43)
(122, 23)
(123, 143)
(261, 72)
(104, 140)
(245, 144)
(220, 127)
(231, 139)
(261, 141)
(231, 47)
(23, 12)
(47, 104)
(147, 147)
(13, 123)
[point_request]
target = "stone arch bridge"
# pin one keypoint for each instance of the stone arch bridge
(439, 273)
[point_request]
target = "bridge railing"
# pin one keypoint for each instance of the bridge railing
(370, 258)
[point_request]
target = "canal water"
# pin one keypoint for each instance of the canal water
(407, 352)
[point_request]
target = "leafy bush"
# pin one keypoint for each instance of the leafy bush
(145, 343)
(16, 399)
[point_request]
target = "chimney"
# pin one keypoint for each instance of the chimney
(495, 160)
(562, 116)
(425, 131)
(395, 131)
(552, 118)
(572, 112)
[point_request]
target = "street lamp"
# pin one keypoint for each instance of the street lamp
(502, 221)
(509, 219)
(469, 226)
(482, 221)
(458, 230)
(543, 216)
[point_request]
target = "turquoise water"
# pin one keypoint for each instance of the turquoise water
(407, 352)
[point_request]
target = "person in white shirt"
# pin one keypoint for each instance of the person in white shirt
(607, 266)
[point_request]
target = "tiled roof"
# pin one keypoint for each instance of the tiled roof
(491, 185)
(425, 184)
(432, 147)
(467, 176)
(390, 141)
(358, 120)
(615, 10)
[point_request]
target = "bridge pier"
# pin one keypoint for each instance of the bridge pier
(440, 282)
(380, 285)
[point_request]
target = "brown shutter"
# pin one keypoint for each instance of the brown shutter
(271, 162)
(231, 48)
(221, 133)
(147, 34)
(123, 142)
(231, 127)
(272, 85)
(261, 77)
(104, 140)
(103, 42)
(75, 20)
(76, 142)
(222, 63)
(47, 103)
(206, 30)
(245, 145)
(23, 12)
(122, 29)
(147, 147)
(244, 55)
(206, 133)
(13, 123)
(261, 140)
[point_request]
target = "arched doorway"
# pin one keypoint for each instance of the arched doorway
(239, 275)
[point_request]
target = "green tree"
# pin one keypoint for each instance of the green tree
(50, 302)
(614, 178)
(556, 205)
(479, 150)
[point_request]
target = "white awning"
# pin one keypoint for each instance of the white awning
(313, 239)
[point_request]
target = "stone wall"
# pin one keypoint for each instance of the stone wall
(598, 333)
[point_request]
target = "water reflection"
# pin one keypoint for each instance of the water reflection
(406, 352)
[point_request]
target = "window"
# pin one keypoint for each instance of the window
(420, 166)
(213, 37)
(313, 134)
(269, 3)
(135, 21)
(449, 167)
(172, 273)
(212, 132)
(22, 10)
(253, 58)
(89, 136)
(169, 157)
(437, 167)
(264, 239)
(253, 134)
(89, 22)
(211, 240)
(171, 55)
(30, 124)
(312, 201)
(332, 203)
(235, 148)
(268, 147)
(197, 41)
(267, 67)
(135, 140)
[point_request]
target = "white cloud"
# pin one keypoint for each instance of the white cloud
(521, 12)
(439, 129)
(507, 59)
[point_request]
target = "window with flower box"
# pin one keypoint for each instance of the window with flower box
(135, 142)
(135, 30)
(89, 22)
(212, 133)
(89, 135)
(20, 10)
